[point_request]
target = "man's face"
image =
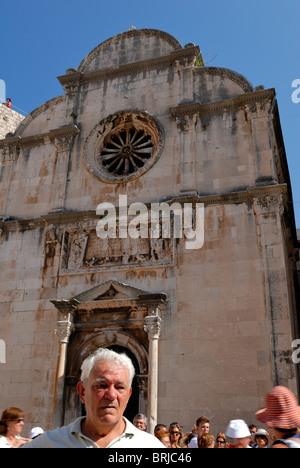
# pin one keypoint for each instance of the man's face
(105, 394)
(242, 443)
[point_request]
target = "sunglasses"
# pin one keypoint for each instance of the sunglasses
(174, 432)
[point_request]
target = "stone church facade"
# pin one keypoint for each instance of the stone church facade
(209, 329)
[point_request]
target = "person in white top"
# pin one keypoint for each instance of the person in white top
(202, 427)
(11, 425)
(104, 389)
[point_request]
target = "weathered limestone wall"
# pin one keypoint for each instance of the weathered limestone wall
(27, 320)
(9, 120)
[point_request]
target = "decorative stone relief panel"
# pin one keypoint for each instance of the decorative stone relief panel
(84, 250)
(9, 154)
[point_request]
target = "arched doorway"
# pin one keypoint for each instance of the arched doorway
(114, 315)
(133, 404)
(119, 342)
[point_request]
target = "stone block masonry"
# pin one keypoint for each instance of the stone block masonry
(9, 120)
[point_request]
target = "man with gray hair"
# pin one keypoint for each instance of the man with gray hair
(104, 389)
(140, 421)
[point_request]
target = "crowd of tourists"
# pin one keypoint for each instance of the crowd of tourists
(105, 388)
(237, 435)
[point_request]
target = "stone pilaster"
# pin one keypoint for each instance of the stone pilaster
(269, 213)
(186, 124)
(259, 114)
(63, 145)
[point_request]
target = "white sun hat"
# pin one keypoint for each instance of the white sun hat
(237, 429)
(35, 432)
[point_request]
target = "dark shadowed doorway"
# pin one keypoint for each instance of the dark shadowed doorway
(133, 404)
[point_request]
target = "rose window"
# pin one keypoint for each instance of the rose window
(126, 151)
(124, 146)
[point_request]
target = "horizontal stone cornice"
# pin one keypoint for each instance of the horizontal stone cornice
(41, 138)
(71, 80)
(242, 196)
(83, 217)
(220, 107)
(17, 224)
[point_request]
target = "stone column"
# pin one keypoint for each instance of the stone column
(63, 333)
(153, 327)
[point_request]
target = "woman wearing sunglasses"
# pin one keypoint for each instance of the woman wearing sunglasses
(176, 435)
(11, 425)
(221, 441)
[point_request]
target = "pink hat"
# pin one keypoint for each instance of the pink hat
(282, 410)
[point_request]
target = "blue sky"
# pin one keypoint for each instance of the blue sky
(260, 39)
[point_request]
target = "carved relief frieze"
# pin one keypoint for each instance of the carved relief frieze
(83, 250)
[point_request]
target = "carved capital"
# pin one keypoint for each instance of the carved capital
(64, 329)
(153, 326)
(269, 205)
(51, 235)
(185, 63)
(9, 154)
(63, 144)
(259, 109)
(186, 123)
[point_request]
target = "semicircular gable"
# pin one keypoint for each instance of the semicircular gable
(217, 84)
(32, 121)
(129, 47)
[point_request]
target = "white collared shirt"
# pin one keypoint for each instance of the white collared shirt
(4, 442)
(72, 437)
